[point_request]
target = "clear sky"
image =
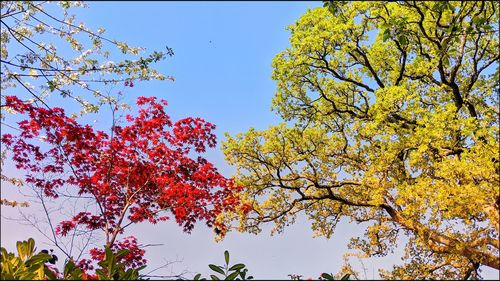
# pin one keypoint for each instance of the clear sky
(223, 52)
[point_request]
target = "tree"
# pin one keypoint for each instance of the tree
(35, 56)
(137, 173)
(391, 120)
(44, 50)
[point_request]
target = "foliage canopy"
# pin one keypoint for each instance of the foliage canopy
(135, 173)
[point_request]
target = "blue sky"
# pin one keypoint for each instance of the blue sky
(223, 52)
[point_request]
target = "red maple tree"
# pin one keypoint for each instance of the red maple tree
(138, 172)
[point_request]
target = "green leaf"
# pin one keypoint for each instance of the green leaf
(403, 40)
(76, 274)
(7, 276)
(140, 268)
(478, 20)
(226, 256)
(216, 268)
(214, 277)
(49, 273)
(130, 274)
(101, 275)
(31, 246)
(109, 256)
(108, 253)
(386, 35)
(232, 275)
(438, 7)
(6, 267)
(38, 259)
(327, 276)
(68, 268)
(26, 276)
(243, 274)
(21, 249)
(25, 248)
(332, 9)
(38, 271)
(121, 253)
(345, 277)
(197, 276)
(237, 267)
(51, 86)
(446, 61)
(452, 28)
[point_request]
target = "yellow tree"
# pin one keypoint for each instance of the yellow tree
(390, 119)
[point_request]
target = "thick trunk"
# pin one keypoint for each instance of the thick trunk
(442, 244)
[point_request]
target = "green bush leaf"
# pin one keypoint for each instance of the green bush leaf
(129, 275)
(140, 268)
(121, 253)
(108, 253)
(38, 259)
(214, 277)
(25, 276)
(345, 277)
(31, 246)
(49, 273)
(110, 260)
(197, 276)
(21, 249)
(216, 268)
(237, 267)
(232, 275)
(327, 276)
(68, 268)
(100, 273)
(226, 256)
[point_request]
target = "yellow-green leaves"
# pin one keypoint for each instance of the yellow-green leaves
(392, 118)
(26, 265)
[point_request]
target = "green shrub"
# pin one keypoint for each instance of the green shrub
(27, 265)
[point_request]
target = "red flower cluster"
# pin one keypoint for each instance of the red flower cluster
(148, 166)
(64, 227)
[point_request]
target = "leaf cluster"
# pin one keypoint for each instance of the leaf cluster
(27, 265)
(225, 272)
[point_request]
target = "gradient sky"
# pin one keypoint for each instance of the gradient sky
(223, 52)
